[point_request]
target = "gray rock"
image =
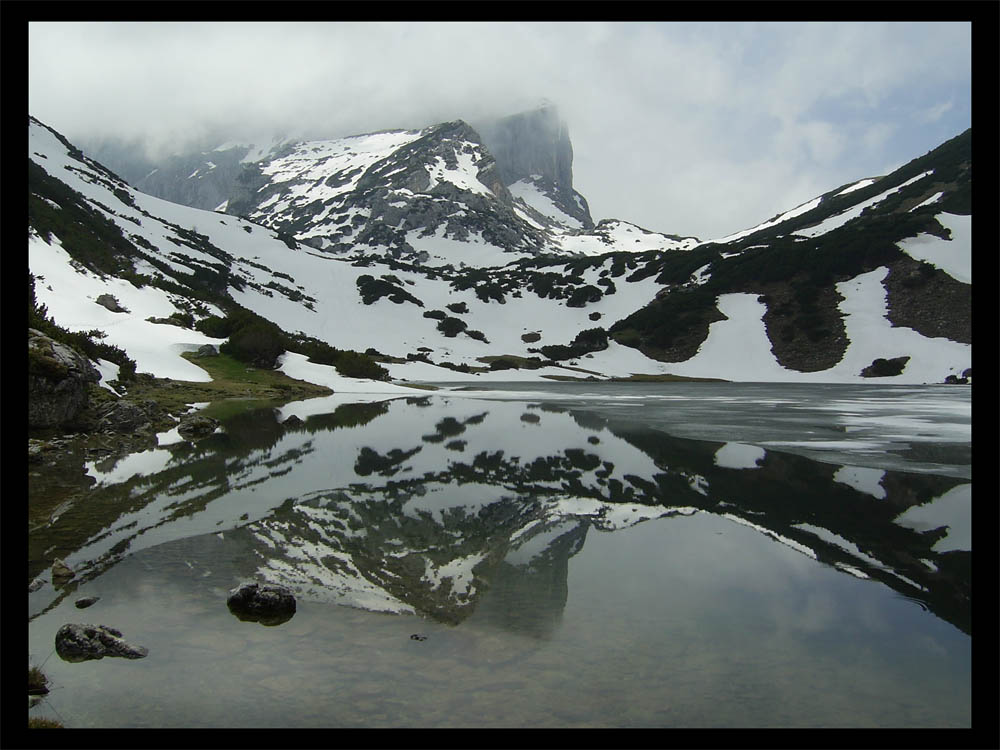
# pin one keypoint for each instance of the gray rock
(77, 643)
(127, 416)
(86, 601)
(35, 585)
(108, 301)
(196, 426)
(58, 377)
(293, 421)
(207, 350)
(266, 603)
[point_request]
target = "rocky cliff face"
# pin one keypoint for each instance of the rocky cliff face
(58, 377)
(534, 146)
(382, 193)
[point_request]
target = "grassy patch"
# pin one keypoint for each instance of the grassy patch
(37, 682)
(232, 381)
(41, 723)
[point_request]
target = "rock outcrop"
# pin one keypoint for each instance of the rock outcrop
(128, 416)
(58, 377)
(535, 145)
(77, 643)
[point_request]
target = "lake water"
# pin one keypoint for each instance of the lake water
(569, 555)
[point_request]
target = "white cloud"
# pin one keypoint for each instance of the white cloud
(687, 128)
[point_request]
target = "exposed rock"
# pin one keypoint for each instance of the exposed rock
(535, 144)
(207, 350)
(293, 421)
(108, 301)
(127, 416)
(35, 585)
(61, 572)
(196, 426)
(58, 377)
(86, 601)
(77, 643)
(267, 603)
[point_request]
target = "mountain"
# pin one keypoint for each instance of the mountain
(444, 260)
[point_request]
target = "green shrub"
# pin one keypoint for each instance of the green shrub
(451, 327)
(258, 343)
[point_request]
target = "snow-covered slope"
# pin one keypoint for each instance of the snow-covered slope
(444, 272)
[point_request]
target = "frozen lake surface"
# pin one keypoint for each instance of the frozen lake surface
(570, 555)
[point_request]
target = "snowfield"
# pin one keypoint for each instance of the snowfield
(304, 290)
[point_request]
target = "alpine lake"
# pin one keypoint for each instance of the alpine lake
(530, 555)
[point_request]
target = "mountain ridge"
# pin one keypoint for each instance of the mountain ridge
(427, 220)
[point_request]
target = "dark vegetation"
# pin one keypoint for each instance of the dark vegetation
(883, 368)
(259, 342)
(372, 290)
(796, 276)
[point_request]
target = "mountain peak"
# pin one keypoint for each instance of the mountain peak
(534, 145)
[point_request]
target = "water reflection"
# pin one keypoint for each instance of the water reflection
(425, 505)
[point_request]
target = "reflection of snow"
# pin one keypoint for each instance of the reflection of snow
(864, 480)
(739, 456)
(953, 509)
(777, 537)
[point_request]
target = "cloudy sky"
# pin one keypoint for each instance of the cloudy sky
(699, 129)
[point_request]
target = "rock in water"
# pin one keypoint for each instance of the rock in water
(77, 643)
(196, 426)
(267, 603)
(61, 572)
(86, 601)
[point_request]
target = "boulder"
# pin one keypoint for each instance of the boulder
(108, 301)
(77, 643)
(85, 601)
(196, 426)
(207, 350)
(61, 572)
(266, 603)
(58, 378)
(293, 421)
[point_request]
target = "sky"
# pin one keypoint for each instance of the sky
(693, 129)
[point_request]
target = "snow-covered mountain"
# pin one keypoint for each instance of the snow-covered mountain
(412, 245)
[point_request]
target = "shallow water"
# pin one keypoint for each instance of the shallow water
(677, 555)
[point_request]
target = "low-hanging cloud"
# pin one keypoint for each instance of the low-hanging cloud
(693, 129)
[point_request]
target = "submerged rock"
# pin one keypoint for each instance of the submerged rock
(267, 603)
(77, 643)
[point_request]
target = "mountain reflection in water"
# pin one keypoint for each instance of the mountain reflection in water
(442, 506)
